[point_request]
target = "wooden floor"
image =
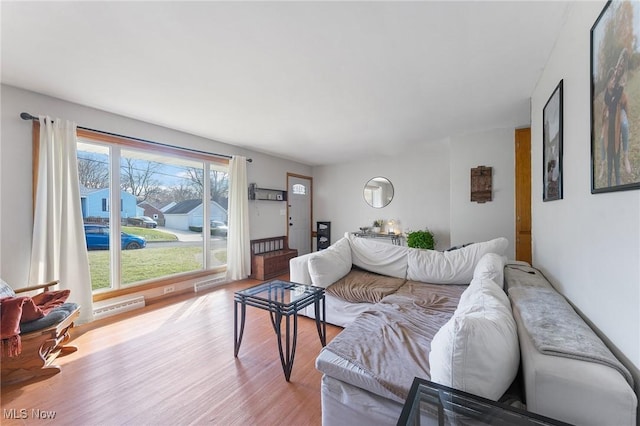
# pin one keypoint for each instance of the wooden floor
(172, 363)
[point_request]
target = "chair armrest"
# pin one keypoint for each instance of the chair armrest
(37, 287)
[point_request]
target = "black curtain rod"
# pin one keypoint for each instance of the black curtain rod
(27, 116)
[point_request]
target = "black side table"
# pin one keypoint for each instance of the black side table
(434, 403)
(281, 298)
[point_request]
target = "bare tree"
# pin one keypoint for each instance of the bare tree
(220, 187)
(182, 192)
(138, 178)
(196, 180)
(219, 184)
(93, 172)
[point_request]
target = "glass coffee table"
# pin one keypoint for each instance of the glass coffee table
(281, 299)
(431, 403)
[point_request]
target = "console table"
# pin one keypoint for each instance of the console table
(396, 239)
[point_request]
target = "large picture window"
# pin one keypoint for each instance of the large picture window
(147, 209)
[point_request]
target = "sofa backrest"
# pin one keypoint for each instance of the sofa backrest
(378, 257)
(324, 267)
(451, 267)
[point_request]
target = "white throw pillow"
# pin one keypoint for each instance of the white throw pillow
(329, 265)
(476, 352)
(450, 267)
(491, 267)
(481, 295)
(378, 257)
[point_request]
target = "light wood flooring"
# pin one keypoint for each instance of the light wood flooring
(172, 363)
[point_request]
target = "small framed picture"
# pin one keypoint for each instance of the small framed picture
(279, 197)
(552, 146)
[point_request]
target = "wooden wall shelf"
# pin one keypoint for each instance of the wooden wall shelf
(266, 194)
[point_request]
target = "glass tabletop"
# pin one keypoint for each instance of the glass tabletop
(432, 403)
(281, 292)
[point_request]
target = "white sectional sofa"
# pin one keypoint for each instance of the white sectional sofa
(446, 317)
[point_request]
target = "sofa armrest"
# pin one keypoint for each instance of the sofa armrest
(572, 390)
(299, 269)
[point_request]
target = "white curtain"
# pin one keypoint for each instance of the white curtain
(238, 249)
(58, 249)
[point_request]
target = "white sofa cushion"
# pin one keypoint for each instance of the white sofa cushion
(329, 265)
(450, 267)
(483, 294)
(381, 258)
(477, 350)
(491, 267)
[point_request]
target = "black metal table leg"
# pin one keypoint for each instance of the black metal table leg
(287, 354)
(321, 324)
(238, 336)
(280, 299)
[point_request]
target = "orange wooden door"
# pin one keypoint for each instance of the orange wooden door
(523, 194)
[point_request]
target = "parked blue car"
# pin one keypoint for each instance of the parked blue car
(97, 237)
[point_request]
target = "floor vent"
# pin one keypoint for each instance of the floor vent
(118, 307)
(203, 285)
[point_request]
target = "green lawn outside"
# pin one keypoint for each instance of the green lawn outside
(148, 263)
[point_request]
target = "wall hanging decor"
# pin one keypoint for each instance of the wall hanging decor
(615, 98)
(552, 146)
(481, 184)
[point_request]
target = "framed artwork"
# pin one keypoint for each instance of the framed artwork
(552, 146)
(615, 98)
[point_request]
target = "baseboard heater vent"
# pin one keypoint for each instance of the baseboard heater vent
(203, 285)
(119, 307)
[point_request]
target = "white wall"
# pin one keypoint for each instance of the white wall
(431, 190)
(588, 245)
(421, 192)
(15, 169)
(471, 221)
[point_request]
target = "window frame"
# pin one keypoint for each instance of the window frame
(126, 142)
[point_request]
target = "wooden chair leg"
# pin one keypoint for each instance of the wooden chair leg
(66, 350)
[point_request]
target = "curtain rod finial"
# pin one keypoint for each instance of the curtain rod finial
(27, 116)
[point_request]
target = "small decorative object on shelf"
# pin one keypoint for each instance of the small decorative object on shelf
(391, 227)
(266, 194)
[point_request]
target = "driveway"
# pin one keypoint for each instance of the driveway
(182, 234)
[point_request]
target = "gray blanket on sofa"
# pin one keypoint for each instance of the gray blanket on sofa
(554, 326)
(392, 341)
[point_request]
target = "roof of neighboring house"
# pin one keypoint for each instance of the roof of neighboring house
(167, 207)
(187, 206)
(150, 207)
(184, 207)
(84, 191)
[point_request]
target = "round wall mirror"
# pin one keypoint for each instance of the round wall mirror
(378, 192)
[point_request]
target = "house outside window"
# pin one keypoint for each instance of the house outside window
(175, 184)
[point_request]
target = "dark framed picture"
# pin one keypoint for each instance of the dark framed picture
(552, 146)
(615, 98)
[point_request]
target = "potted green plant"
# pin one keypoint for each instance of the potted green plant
(421, 239)
(377, 225)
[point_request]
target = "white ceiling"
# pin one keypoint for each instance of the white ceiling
(317, 82)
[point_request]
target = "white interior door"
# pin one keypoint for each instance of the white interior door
(299, 213)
